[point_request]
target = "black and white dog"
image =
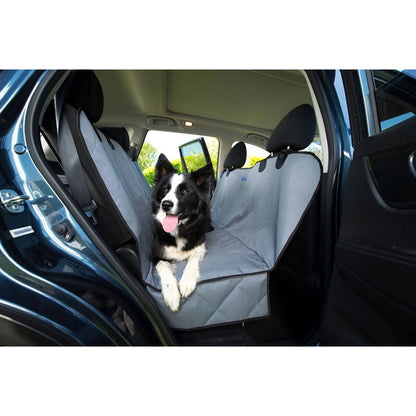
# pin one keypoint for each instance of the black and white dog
(180, 206)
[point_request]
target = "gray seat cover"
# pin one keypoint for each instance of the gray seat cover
(254, 215)
(126, 185)
(262, 209)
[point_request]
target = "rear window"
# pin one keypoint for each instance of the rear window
(254, 154)
(158, 142)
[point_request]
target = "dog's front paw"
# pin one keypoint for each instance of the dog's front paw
(188, 282)
(172, 296)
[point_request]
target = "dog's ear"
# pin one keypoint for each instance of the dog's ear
(163, 167)
(203, 176)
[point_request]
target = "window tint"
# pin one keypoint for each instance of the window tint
(395, 95)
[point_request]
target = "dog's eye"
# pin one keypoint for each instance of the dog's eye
(184, 191)
(165, 189)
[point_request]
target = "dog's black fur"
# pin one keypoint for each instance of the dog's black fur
(186, 199)
(193, 201)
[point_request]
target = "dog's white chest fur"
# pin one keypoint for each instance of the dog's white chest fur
(177, 253)
(170, 290)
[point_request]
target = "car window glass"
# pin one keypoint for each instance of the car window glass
(315, 147)
(157, 142)
(395, 96)
(254, 154)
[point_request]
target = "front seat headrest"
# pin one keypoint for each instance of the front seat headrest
(85, 92)
(119, 134)
(236, 157)
(296, 130)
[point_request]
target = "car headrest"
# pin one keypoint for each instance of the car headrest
(85, 92)
(236, 157)
(296, 130)
(119, 134)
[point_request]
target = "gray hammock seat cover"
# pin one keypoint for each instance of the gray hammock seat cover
(254, 214)
(127, 186)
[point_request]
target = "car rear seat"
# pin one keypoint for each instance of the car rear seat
(255, 212)
(262, 206)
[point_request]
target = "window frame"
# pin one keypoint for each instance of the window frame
(369, 101)
(368, 87)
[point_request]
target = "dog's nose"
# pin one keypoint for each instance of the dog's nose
(167, 205)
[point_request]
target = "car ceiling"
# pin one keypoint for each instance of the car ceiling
(229, 104)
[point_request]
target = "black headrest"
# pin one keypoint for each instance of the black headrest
(296, 130)
(236, 157)
(119, 134)
(85, 92)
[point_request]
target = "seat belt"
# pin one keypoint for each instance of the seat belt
(69, 156)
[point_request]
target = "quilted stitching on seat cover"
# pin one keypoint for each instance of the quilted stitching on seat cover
(223, 301)
(255, 213)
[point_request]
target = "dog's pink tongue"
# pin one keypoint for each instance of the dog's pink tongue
(169, 223)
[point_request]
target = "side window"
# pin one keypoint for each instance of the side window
(395, 96)
(157, 142)
(315, 147)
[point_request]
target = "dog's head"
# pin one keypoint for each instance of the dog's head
(176, 198)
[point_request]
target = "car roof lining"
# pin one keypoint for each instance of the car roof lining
(228, 104)
(216, 95)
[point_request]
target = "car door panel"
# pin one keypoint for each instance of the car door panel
(365, 315)
(372, 296)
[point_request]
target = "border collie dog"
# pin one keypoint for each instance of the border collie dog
(180, 206)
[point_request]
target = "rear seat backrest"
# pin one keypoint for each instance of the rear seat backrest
(264, 205)
(118, 134)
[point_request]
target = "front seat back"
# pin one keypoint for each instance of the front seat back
(119, 192)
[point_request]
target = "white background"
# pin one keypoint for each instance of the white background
(207, 381)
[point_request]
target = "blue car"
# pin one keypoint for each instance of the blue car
(312, 243)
